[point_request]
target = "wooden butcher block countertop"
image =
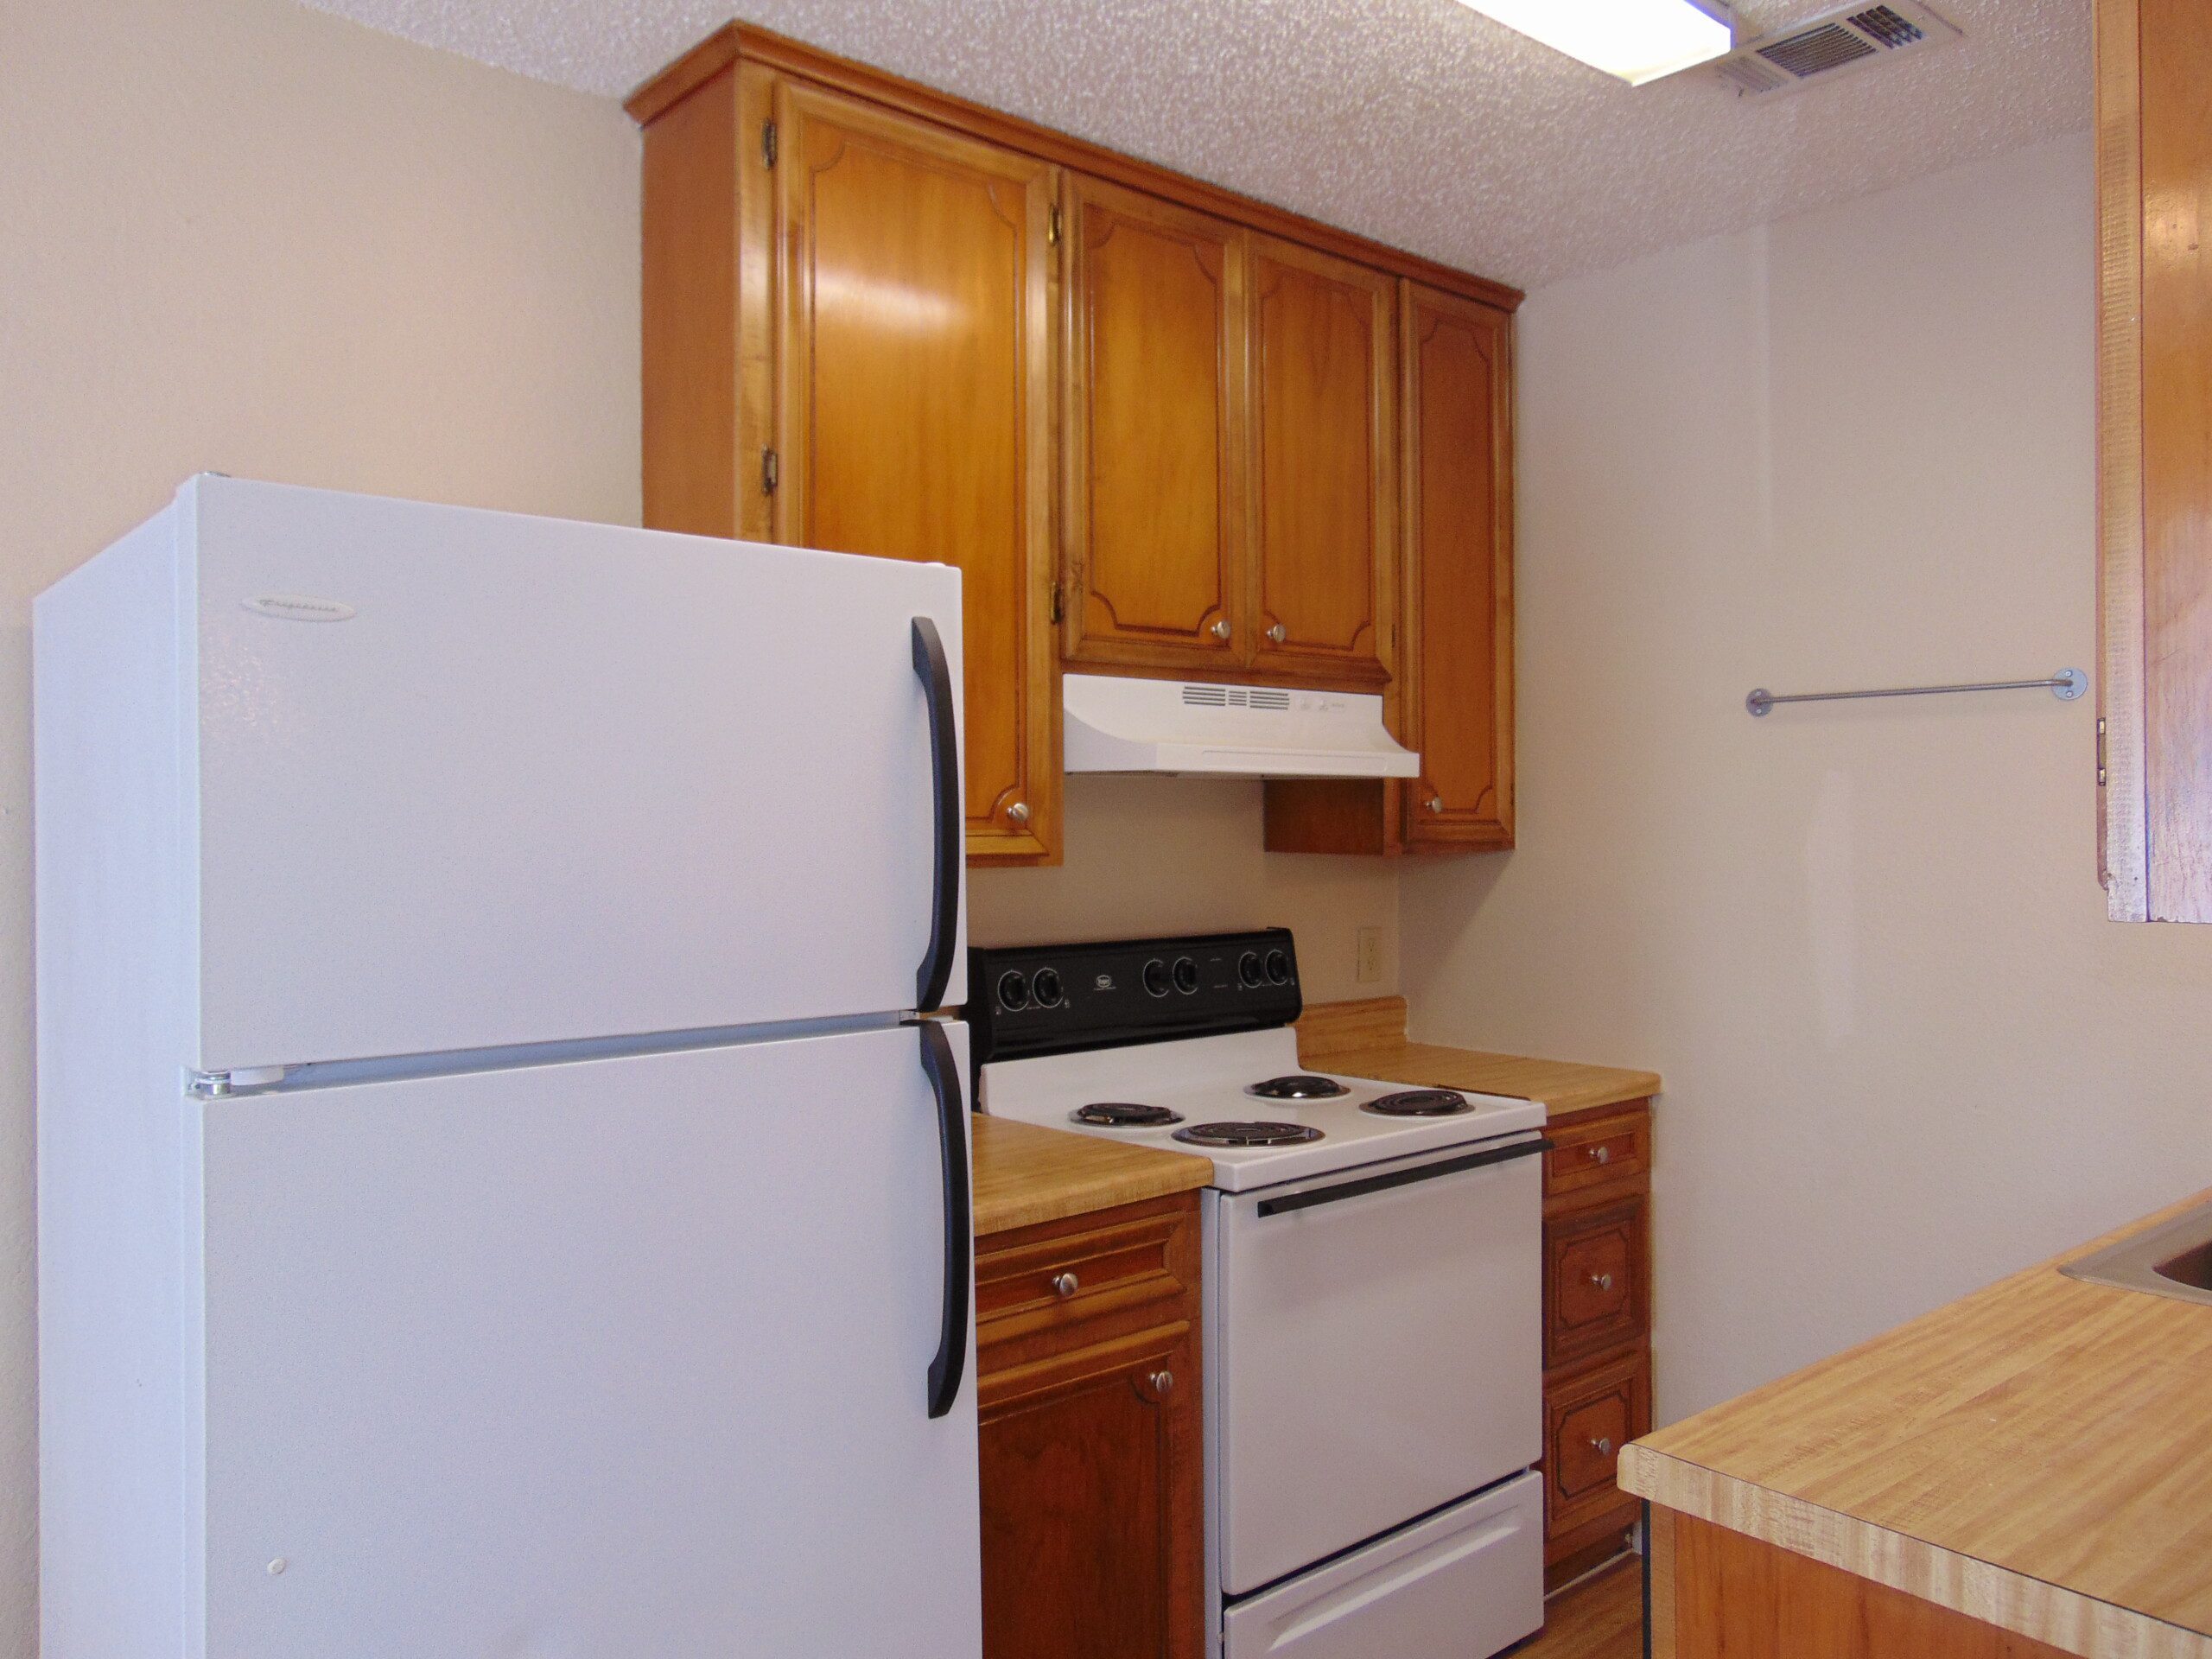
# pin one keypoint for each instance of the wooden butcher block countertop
(1026, 1173)
(2037, 1455)
(1368, 1039)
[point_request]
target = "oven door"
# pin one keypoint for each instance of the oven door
(1376, 1350)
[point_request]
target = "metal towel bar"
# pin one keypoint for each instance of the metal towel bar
(2066, 685)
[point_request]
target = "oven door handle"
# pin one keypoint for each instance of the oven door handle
(1320, 1195)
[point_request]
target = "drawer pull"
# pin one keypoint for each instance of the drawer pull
(1603, 1445)
(1163, 1383)
(1603, 1281)
(1601, 1153)
(1065, 1285)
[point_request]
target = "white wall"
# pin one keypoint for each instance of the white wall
(1903, 1052)
(1183, 856)
(245, 236)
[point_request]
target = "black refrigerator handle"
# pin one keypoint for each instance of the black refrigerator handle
(929, 667)
(959, 1233)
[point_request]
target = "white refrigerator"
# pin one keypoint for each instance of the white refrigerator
(496, 1194)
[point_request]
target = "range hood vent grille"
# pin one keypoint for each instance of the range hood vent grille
(1234, 697)
(1826, 47)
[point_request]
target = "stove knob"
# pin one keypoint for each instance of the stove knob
(1278, 967)
(1044, 988)
(1248, 972)
(1014, 991)
(1155, 977)
(1186, 974)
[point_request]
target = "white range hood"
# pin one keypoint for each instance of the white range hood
(1117, 723)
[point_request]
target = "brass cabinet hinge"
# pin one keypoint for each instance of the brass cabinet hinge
(2101, 753)
(1053, 227)
(771, 472)
(1056, 604)
(768, 143)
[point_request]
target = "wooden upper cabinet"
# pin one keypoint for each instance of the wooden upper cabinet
(1323, 572)
(1155, 433)
(2154, 182)
(913, 415)
(1160, 428)
(1452, 696)
(1457, 486)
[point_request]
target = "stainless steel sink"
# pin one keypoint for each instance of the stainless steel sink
(2172, 1259)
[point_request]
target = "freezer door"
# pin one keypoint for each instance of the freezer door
(611, 1358)
(1464, 1584)
(468, 779)
(1390, 1330)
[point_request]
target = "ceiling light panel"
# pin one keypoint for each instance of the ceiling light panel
(1637, 40)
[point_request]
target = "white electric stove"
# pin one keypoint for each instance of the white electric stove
(1372, 1290)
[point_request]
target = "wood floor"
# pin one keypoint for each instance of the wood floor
(1600, 1619)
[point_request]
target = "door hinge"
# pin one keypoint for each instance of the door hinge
(1056, 604)
(2101, 753)
(1053, 227)
(767, 144)
(771, 472)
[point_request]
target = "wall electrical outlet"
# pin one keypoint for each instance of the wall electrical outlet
(1368, 967)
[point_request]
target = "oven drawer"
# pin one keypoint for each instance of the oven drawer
(1594, 1281)
(1598, 1151)
(1375, 1347)
(1468, 1581)
(1084, 1274)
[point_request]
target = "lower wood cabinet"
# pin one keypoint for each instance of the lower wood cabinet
(1718, 1594)
(1092, 1470)
(1596, 1330)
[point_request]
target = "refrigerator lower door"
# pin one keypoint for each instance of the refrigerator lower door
(1463, 1584)
(470, 779)
(619, 1357)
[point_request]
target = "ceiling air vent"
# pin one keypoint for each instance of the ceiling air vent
(1828, 47)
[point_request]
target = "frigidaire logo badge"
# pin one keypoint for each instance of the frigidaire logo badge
(299, 607)
(1103, 982)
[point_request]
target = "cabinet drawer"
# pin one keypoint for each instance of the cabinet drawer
(1594, 1283)
(1050, 1282)
(1598, 1151)
(1587, 1419)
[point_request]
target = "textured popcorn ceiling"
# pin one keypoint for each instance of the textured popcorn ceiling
(1417, 122)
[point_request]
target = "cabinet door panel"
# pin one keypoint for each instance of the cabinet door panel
(1459, 564)
(1588, 1418)
(1091, 1525)
(1324, 570)
(1154, 430)
(913, 415)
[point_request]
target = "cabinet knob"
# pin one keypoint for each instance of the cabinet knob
(1278, 633)
(1163, 1383)
(1018, 813)
(1601, 1153)
(1434, 802)
(1602, 1446)
(1603, 1281)
(1220, 629)
(1065, 1285)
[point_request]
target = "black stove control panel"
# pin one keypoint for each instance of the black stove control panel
(1055, 998)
